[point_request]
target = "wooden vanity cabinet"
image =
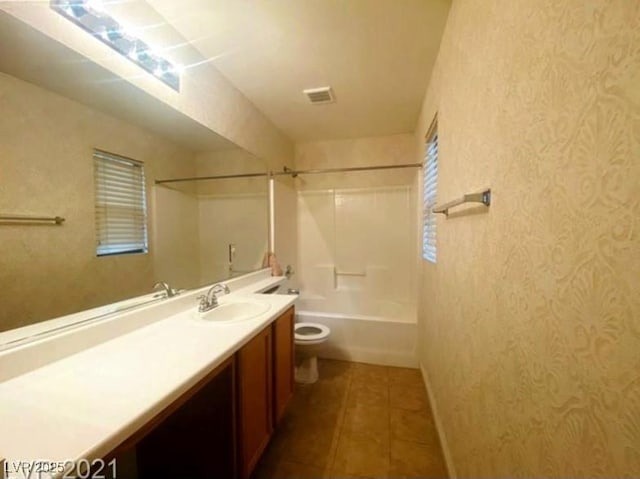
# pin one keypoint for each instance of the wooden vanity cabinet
(194, 437)
(265, 388)
(255, 416)
(283, 363)
(222, 425)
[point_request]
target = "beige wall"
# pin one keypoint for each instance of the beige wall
(46, 168)
(372, 151)
(530, 319)
(230, 162)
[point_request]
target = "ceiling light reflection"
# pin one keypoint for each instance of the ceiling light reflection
(91, 16)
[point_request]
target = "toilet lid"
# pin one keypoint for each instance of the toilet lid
(310, 331)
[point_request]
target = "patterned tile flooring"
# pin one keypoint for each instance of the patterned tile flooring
(357, 421)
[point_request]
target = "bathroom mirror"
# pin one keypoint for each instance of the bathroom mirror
(57, 108)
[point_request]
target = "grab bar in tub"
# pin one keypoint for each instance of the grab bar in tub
(347, 273)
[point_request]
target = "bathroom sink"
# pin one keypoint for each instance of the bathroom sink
(234, 311)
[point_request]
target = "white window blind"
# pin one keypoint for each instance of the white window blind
(121, 206)
(430, 183)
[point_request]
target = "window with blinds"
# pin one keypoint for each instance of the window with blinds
(121, 206)
(430, 183)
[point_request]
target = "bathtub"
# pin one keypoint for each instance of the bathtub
(377, 332)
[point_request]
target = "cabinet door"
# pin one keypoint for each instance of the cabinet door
(254, 400)
(283, 363)
(194, 438)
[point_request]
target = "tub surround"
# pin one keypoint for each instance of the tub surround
(363, 290)
(366, 339)
(376, 331)
(98, 384)
(341, 304)
(338, 261)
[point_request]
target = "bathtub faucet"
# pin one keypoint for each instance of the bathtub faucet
(210, 300)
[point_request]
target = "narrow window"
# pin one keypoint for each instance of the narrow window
(430, 183)
(121, 206)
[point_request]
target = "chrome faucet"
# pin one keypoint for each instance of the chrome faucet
(210, 300)
(168, 290)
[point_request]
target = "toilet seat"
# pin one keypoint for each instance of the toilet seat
(310, 332)
(309, 339)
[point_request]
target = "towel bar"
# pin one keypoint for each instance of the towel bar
(31, 219)
(483, 197)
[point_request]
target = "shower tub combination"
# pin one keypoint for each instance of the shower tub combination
(378, 332)
(356, 271)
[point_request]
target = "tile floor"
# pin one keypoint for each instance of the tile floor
(357, 421)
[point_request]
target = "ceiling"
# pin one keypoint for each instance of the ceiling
(377, 55)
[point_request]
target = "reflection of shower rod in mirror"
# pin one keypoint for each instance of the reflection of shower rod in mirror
(293, 173)
(218, 177)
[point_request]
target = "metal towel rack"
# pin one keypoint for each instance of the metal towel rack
(57, 220)
(483, 197)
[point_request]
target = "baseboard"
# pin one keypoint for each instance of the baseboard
(436, 417)
(371, 356)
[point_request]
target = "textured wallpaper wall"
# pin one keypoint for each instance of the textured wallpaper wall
(230, 162)
(530, 320)
(357, 152)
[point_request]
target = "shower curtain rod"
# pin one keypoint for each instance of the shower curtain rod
(293, 173)
(219, 177)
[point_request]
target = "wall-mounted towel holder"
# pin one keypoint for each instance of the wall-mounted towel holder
(483, 197)
(38, 220)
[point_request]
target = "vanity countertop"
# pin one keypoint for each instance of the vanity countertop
(86, 404)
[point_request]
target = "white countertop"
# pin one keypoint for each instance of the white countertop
(85, 404)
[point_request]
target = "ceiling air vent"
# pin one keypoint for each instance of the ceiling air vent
(318, 96)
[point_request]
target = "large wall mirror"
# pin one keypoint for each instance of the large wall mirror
(57, 110)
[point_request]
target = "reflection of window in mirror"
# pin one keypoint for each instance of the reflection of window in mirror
(121, 206)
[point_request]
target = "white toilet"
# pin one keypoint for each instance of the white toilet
(309, 338)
